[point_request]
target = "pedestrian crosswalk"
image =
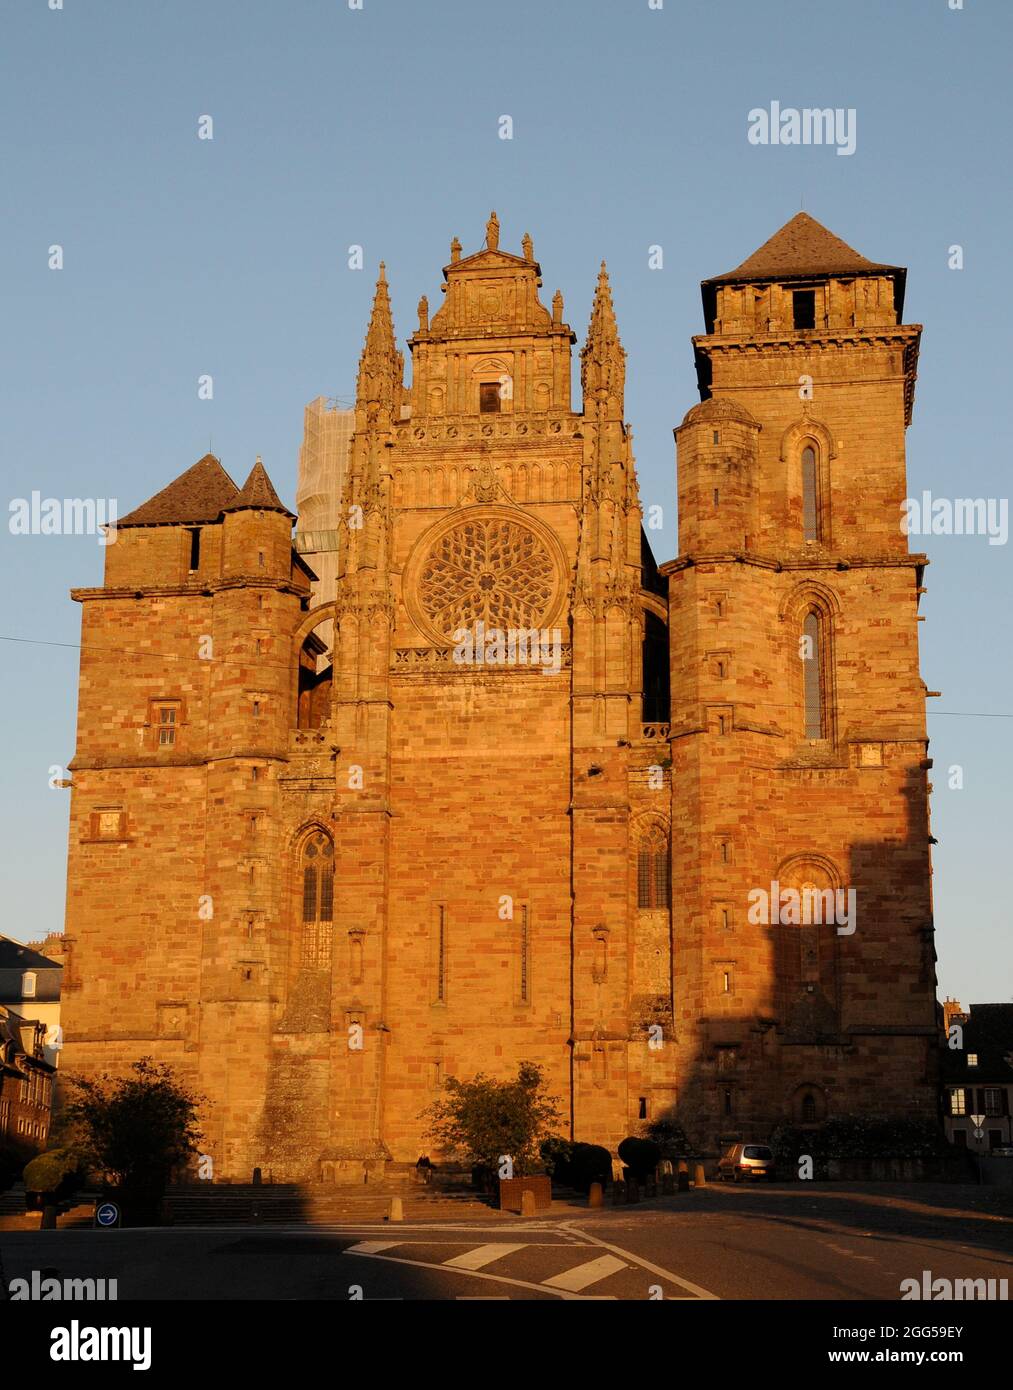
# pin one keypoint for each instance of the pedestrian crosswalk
(550, 1268)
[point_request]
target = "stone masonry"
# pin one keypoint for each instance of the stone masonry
(319, 877)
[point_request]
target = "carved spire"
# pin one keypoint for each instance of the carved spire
(381, 366)
(602, 359)
(455, 250)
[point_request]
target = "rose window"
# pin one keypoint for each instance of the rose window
(490, 569)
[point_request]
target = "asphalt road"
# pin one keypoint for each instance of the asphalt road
(775, 1242)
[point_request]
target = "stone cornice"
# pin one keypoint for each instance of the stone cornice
(905, 335)
(202, 590)
(791, 562)
(798, 342)
(163, 761)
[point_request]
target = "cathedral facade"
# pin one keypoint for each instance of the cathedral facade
(660, 828)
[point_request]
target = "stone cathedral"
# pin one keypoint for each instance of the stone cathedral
(511, 788)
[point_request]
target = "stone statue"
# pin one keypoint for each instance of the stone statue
(423, 315)
(492, 232)
(557, 307)
(528, 247)
(455, 250)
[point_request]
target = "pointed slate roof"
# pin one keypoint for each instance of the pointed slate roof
(258, 494)
(198, 495)
(802, 248)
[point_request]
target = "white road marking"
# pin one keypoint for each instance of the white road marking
(582, 1276)
(694, 1289)
(371, 1247)
(481, 1256)
(472, 1274)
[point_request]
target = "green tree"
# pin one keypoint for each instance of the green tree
(482, 1120)
(136, 1129)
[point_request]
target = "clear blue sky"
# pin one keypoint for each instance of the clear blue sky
(379, 127)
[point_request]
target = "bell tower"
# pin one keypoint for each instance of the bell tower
(798, 711)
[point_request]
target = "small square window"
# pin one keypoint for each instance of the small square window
(972, 1059)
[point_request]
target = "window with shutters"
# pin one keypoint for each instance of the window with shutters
(993, 1101)
(317, 865)
(958, 1102)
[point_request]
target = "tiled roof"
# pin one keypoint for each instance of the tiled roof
(198, 495)
(803, 247)
(258, 493)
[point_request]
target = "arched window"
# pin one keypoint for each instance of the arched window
(808, 1108)
(811, 526)
(653, 870)
(317, 901)
(813, 683)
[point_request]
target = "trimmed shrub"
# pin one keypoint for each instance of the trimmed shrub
(670, 1138)
(557, 1155)
(52, 1177)
(590, 1163)
(641, 1156)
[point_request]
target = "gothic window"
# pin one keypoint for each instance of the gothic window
(813, 676)
(317, 901)
(653, 870)
(810, 496)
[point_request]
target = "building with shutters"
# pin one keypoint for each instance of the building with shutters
(977, 1077)
(522, 799)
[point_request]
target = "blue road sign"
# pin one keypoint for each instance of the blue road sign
(107, 1214)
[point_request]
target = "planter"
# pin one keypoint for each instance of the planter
(510, 1190)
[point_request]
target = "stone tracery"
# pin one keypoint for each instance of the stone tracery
(488, 569)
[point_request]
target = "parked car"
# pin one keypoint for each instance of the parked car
(745, 1162)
